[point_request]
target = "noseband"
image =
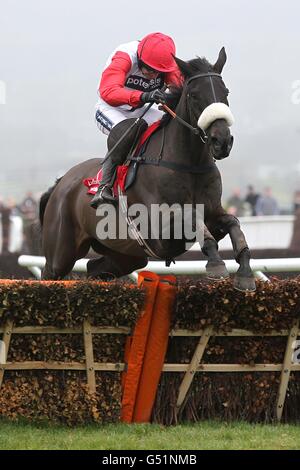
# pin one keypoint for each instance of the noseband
(196, 130)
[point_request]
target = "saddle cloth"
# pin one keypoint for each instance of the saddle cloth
(120, 181)
(93, 183)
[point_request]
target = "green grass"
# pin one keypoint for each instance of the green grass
(205, 435)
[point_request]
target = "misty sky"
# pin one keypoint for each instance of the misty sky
(52, 53)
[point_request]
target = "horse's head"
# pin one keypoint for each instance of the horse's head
(205, 100)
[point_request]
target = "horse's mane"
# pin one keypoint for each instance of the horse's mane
(199, 65)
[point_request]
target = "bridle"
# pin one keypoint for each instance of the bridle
(158, 161)
(196, 130)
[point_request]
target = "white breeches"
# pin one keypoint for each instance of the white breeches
(108, 116)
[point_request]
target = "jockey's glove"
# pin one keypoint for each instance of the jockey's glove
(155, 96)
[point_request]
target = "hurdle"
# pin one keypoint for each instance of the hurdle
(270, 313)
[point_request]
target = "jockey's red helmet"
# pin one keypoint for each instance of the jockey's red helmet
(157, 50)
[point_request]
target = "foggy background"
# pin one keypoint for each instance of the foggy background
(52, 53)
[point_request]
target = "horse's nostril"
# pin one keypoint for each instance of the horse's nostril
(216, 143)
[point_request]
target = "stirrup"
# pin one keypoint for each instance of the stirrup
(99, 198)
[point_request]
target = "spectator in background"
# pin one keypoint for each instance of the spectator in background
(29, 207)
(251, 198)
(235, 204)
(296, 201)
(266, 204)
(29, 211)
(5, 212)
(295, 241)
(11, 203)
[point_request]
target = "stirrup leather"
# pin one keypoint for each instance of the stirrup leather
(110, 190)
(102, 189)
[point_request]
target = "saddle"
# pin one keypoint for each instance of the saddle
(126, 172)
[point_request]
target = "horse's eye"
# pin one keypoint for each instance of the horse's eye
(227, 91)
(193, 95)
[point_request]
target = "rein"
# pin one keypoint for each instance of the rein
(195, 130)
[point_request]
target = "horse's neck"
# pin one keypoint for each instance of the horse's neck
(182, 144)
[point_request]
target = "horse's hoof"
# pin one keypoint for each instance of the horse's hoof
(216, 271)
(244, 284)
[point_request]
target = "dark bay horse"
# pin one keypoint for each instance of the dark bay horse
(186, 173)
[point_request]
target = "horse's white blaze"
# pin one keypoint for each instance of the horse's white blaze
(215, 111)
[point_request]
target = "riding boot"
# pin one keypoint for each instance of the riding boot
(117, 156)
(105, 191)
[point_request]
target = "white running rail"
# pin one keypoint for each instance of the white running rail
(259, 266)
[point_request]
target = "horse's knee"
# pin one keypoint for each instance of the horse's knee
(222, 225)
(227, 221)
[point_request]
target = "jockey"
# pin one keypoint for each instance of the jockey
(134, 75)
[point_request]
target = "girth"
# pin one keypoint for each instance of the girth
(195, 170)
(158, 161)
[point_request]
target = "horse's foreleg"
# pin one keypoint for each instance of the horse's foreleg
(215, 267)
(244, 278)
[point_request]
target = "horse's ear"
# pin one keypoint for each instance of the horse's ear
(183, 66)
(218, 67)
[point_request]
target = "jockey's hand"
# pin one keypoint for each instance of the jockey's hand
(155, 96)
